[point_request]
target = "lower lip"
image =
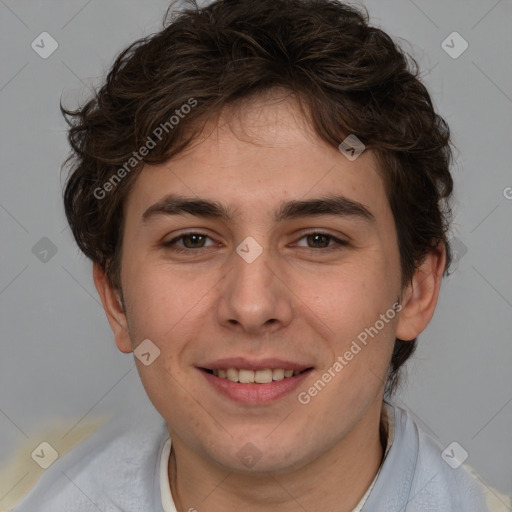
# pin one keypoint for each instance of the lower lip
(254, 394)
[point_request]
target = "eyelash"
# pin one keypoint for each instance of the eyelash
(170, 245)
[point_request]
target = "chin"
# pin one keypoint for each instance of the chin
(260, 455)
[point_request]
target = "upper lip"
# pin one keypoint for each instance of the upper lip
(253, 364)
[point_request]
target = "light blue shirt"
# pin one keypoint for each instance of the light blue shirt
(118, 469)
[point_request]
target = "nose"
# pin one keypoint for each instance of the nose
(254, 298)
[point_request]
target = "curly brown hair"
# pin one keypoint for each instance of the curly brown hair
(349, 77)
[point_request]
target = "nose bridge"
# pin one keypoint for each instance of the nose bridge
(253, 295)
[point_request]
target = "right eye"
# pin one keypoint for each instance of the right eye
(190, 241)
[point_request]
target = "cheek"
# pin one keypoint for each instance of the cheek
(356, 294)
(155, 302)
(356, 303)
(167, 305)
(160, 309)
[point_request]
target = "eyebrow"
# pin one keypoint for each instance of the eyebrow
(334, 205)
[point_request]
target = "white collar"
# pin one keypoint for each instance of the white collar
(165, 488)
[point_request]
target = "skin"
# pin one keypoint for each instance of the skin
(297, 301)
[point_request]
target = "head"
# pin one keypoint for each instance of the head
(245, 104)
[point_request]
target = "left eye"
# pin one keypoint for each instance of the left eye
(190, 241)
(323, 239)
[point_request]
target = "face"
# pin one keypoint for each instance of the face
(293, 261)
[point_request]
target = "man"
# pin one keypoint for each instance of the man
(262, 188)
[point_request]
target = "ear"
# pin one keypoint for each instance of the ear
(419, 299)
(116, 316)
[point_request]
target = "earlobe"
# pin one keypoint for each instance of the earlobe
(114, 309)
(419, 299)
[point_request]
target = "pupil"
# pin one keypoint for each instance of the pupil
(316, 237)
(194, 238)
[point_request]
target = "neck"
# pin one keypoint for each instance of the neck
(335, 480)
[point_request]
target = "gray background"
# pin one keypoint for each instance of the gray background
(58, 361)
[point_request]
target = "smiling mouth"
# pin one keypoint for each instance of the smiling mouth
(266, 376)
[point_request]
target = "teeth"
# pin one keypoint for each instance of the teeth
(232, 375)
(245, 376)
(277, 374)
(259, 376)
(263, 376)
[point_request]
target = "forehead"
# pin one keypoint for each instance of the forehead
(258, 157)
